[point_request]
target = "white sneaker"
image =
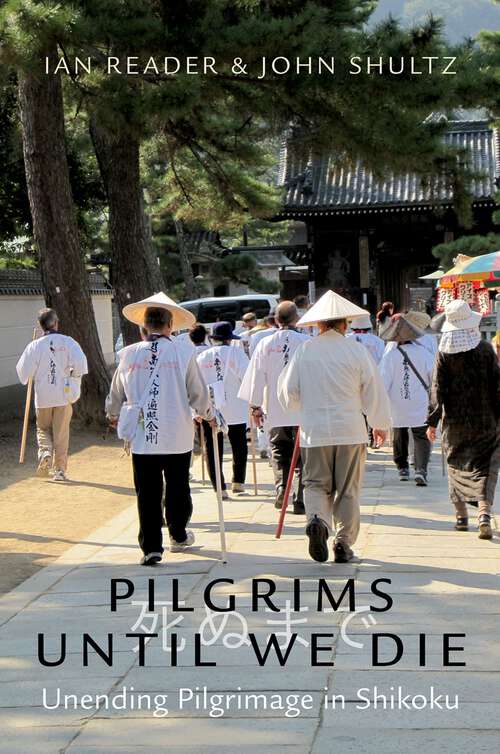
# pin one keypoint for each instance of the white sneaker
(44, 465)
(237, 487)
(151, 559)
(225, 495)
(180, 546)
(59, 476)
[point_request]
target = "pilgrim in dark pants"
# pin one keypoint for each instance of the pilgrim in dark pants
(151, 472)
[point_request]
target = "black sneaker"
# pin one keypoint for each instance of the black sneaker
(485, 531)
(421, 479)
(404, 475)
(317, 531)
(340, 553)
(151, 559)
(298, 507)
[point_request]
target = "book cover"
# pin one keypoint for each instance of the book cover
(249, 381)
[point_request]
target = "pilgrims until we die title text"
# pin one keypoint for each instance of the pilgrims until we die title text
(387, 649)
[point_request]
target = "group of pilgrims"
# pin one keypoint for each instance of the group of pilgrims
(328, 373)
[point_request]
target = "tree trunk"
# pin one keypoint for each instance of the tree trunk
(136, 273)
(55, 228)
(187, 270)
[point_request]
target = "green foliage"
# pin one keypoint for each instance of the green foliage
(14, 206)
(26, 25)
(243, 269)
(219, 186)
(87, 189)
(490, 43)
(210, 140)
(216, 128)
(472, 246)
(258, 233)
(17, 254)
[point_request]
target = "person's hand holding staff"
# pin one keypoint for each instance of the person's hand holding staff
(27, 408)
(379, 438)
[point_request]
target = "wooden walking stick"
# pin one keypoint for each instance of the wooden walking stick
(289, 482)
(254, 463)
(27, 408)
(218, 487)
(203, 450)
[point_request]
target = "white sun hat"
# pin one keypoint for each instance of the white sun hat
(331, 306)
(181, 318)
(459, 316)
(362, 323)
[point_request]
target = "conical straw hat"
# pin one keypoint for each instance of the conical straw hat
(401, 330)
(181, 318)
(331, 306)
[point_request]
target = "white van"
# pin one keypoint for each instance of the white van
(208, 311)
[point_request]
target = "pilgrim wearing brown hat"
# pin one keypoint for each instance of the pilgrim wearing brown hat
(422, 321)
(465, 397)
(406, 370)
(155, 387)
(333, 383)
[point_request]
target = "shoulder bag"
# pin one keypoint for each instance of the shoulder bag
(414, 369)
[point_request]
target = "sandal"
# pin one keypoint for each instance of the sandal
(462, 523)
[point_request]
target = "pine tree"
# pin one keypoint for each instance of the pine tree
(216, 128)
(213, 131)
(135, 271)
(53, 213)
(490, 43)
(472, 246)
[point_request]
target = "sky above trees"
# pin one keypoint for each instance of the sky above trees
(463, 18)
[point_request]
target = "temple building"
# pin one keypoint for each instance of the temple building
(371, 239)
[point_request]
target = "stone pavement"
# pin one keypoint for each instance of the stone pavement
(441, 582)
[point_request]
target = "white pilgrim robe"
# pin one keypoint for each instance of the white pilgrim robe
(333, 383)
(260, 384)
(226, 365)
(371, 342)
(260, 335)
(428, 341)
(167, 423)
(409, 399)
(50, 361)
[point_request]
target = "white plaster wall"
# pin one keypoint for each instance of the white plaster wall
(17, 319)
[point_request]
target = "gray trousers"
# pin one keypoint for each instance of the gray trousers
(421, 451)
(332, 478)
